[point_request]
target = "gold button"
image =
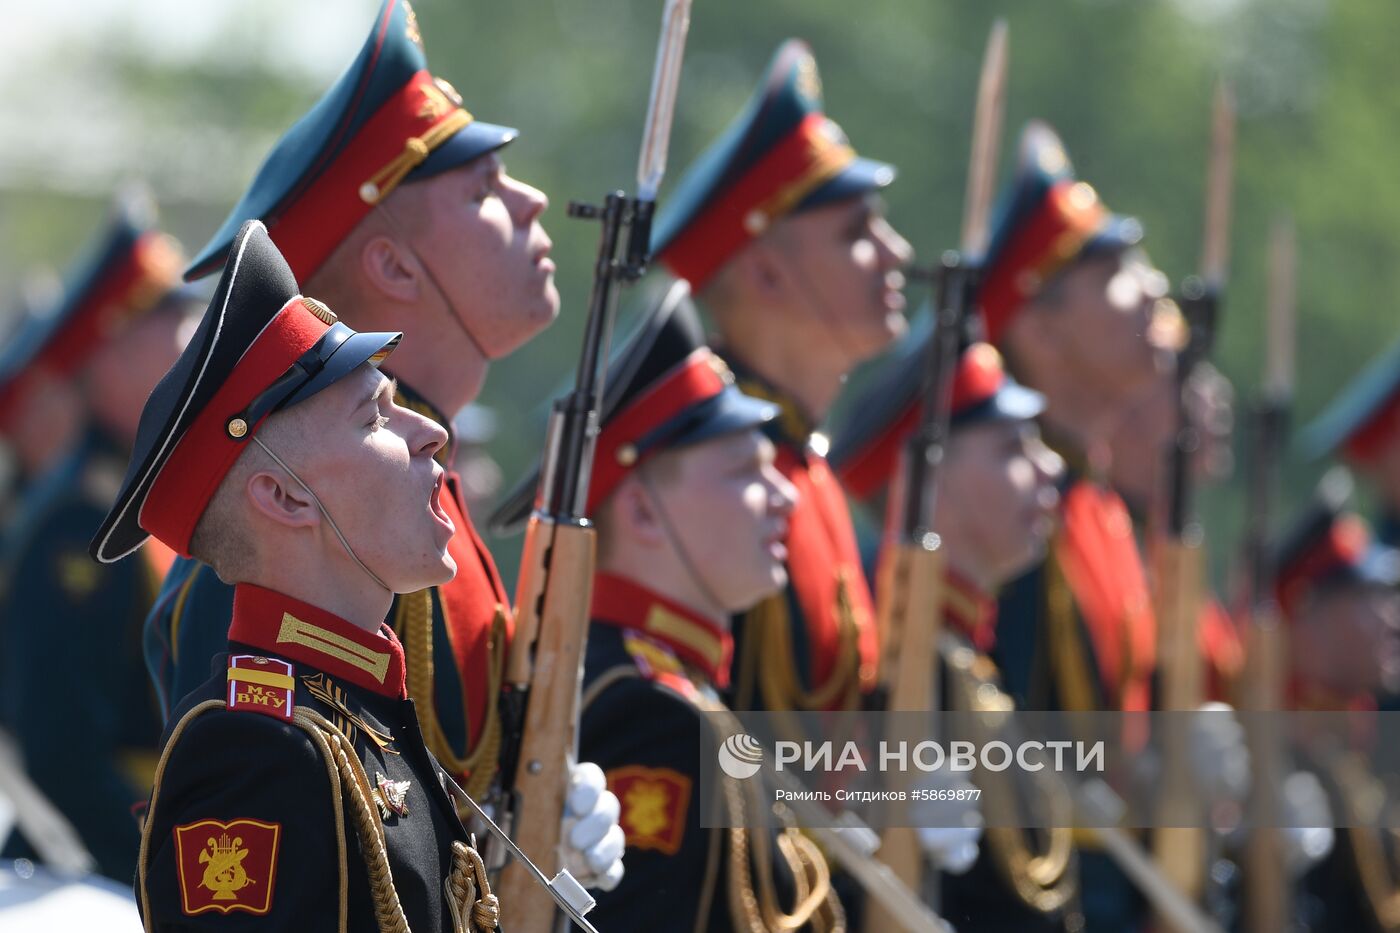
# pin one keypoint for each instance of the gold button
(369, 193)
(627, 455)
(755, 222)
(237, 427)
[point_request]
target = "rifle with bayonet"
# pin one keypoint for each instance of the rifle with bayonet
(1267, 902)
(909, 602)
(1178, 557)
(544, 665)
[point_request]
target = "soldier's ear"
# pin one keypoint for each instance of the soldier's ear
(761, 270)
(389, 269)
(633, 513)
(280, 499)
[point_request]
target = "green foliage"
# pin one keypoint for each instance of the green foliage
(1128, 84)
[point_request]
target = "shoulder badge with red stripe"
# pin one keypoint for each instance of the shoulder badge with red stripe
(659, 664)
(260, 684)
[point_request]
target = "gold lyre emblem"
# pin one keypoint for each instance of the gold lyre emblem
(223, 861)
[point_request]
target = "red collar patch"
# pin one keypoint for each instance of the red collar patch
(970, 611)
(293, 629)
(696, 640)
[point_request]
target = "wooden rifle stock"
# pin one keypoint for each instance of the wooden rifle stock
(556, 585)
(1266, 881)
(1179, 850)
(544, 668)
(909, 612)
(910, 590)
(1178, 559)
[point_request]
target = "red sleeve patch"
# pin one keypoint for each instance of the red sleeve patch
(227, 866)
(654, 805)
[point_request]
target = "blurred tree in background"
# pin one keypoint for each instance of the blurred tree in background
(190, 97)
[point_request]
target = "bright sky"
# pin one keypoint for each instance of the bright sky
(311, 37)
(65, 127)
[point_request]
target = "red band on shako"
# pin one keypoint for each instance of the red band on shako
(808, 157)
(695, 380)
(141, 279)
(980, 374)
(1367, 442)
(1068, 216)
(205, 453)
(143, 276)
(1344, 545)
(419, 117)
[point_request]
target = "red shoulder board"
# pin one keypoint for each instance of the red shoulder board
(259, 684)
(654, 804)
(227, 866)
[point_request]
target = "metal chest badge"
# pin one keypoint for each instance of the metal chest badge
(393, 796)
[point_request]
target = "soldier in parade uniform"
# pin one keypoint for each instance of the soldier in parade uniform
(1137, 471)
(1362, 427)
(294, 789)
(391, 201)
(691, 514)
(1078, 631)
(74, 690)
(1336, 590)
(995, 506)
(1071, 301)
(778, 229)
(41, 416)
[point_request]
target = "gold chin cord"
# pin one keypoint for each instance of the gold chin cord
(327, 515)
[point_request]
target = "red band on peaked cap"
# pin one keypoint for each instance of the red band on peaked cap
(694, 381)
(1365, 444)
(324, 213)
(791, 170)
(1068, 216)
(978, 378)
(1344, 545)
(205, 453)
(138, 281)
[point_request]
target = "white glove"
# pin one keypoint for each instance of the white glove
(948, 827)
(1219, 756)
(591, 839)
(1306, 815)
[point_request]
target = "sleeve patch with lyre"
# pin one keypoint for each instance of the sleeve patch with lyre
(227, 866)
(654, 805)
(261, 685)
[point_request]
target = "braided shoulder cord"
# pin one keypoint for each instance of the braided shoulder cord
(474, 908)
(368, 827)
(336, 809)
